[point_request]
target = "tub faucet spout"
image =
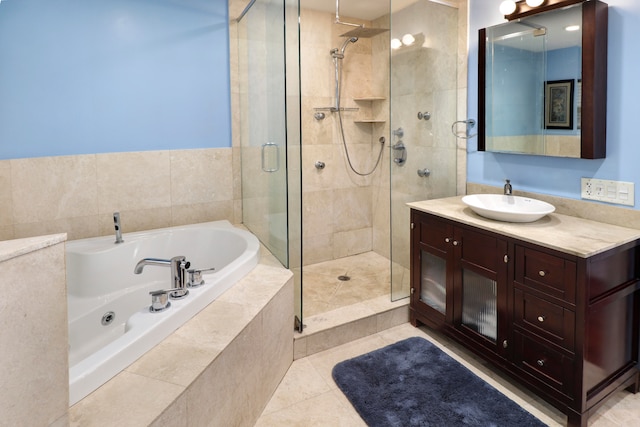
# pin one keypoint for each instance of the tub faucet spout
(178, 265)
(116, 225)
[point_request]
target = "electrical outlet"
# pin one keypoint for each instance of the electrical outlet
(618, 192)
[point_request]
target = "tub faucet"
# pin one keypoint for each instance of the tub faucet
(116, 225)
(508, 190)
(178, 265)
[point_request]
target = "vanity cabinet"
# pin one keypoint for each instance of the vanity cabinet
(564, 325)
(462, 281)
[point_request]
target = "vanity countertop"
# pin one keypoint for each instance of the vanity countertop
(14, 248)
(572, 235)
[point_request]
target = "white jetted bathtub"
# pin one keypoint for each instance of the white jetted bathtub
(110, 322)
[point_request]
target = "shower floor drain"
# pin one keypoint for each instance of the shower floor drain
(344, 278)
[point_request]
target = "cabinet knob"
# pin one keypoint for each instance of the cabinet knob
(540, 362)
(505, 344)
(542, 273)
(506, 259)
(455, 243)
(541, 318)
(447, 240)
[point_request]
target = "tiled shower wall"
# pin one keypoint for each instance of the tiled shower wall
(339, 209)
(77, 195)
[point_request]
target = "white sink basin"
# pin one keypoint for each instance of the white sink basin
(508, 208)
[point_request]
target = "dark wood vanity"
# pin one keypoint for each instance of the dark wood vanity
(555, 303)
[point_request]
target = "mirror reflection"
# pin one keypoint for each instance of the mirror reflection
(533, 84)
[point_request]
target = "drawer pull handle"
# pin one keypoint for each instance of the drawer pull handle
(541, 318)
(542, 273)
(540, 362)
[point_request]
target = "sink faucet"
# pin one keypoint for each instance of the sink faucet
(508, 190)
(178, 265)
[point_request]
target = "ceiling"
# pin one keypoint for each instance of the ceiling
(363, 9)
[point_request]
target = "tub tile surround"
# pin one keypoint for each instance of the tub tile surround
(33, 333)
(152, 189)
(220, 368)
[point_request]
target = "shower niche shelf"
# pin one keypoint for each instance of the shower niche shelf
(369, 99)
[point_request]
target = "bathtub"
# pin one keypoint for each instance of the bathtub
(110, 324)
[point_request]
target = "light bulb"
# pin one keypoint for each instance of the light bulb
(408, 39)
(396, 44)
(534, 3)
(507, 7)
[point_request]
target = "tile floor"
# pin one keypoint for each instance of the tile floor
(369, 275)
(307, 396)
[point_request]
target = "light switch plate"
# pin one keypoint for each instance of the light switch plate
(603, 190)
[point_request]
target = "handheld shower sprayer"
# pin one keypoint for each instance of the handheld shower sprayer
(339, 53)
(346, 42)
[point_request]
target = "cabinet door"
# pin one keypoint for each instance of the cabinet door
(480, 289)
(431, 245)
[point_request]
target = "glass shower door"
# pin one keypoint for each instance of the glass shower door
(262, 119)
(424, 57)
(268, 124)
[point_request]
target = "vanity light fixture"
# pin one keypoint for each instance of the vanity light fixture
(572, 27)
(507, 7)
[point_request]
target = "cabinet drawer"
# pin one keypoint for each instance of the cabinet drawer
(551, 321)
(547, 273)
(435, 233)
(547, 365)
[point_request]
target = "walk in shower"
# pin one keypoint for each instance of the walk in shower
(343, 114)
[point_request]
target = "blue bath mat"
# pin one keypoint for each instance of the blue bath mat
(413, 383)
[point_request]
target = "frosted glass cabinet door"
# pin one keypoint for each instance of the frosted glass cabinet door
(433, 291)
(479, 300)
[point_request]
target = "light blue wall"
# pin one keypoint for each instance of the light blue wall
(559, 176)
(96, 76)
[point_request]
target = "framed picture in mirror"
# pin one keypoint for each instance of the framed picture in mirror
(558, 104)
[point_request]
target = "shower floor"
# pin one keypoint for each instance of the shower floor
(369, 277)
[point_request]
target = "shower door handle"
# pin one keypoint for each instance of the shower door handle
(269, 150)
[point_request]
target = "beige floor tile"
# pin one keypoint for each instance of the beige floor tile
(302, 382)
(323, 410)
(324, 362)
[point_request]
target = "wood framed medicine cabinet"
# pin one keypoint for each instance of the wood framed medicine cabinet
(508, 121)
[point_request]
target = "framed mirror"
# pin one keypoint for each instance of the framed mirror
(543, 81)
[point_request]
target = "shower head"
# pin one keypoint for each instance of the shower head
(364, 32)
(346, 42)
